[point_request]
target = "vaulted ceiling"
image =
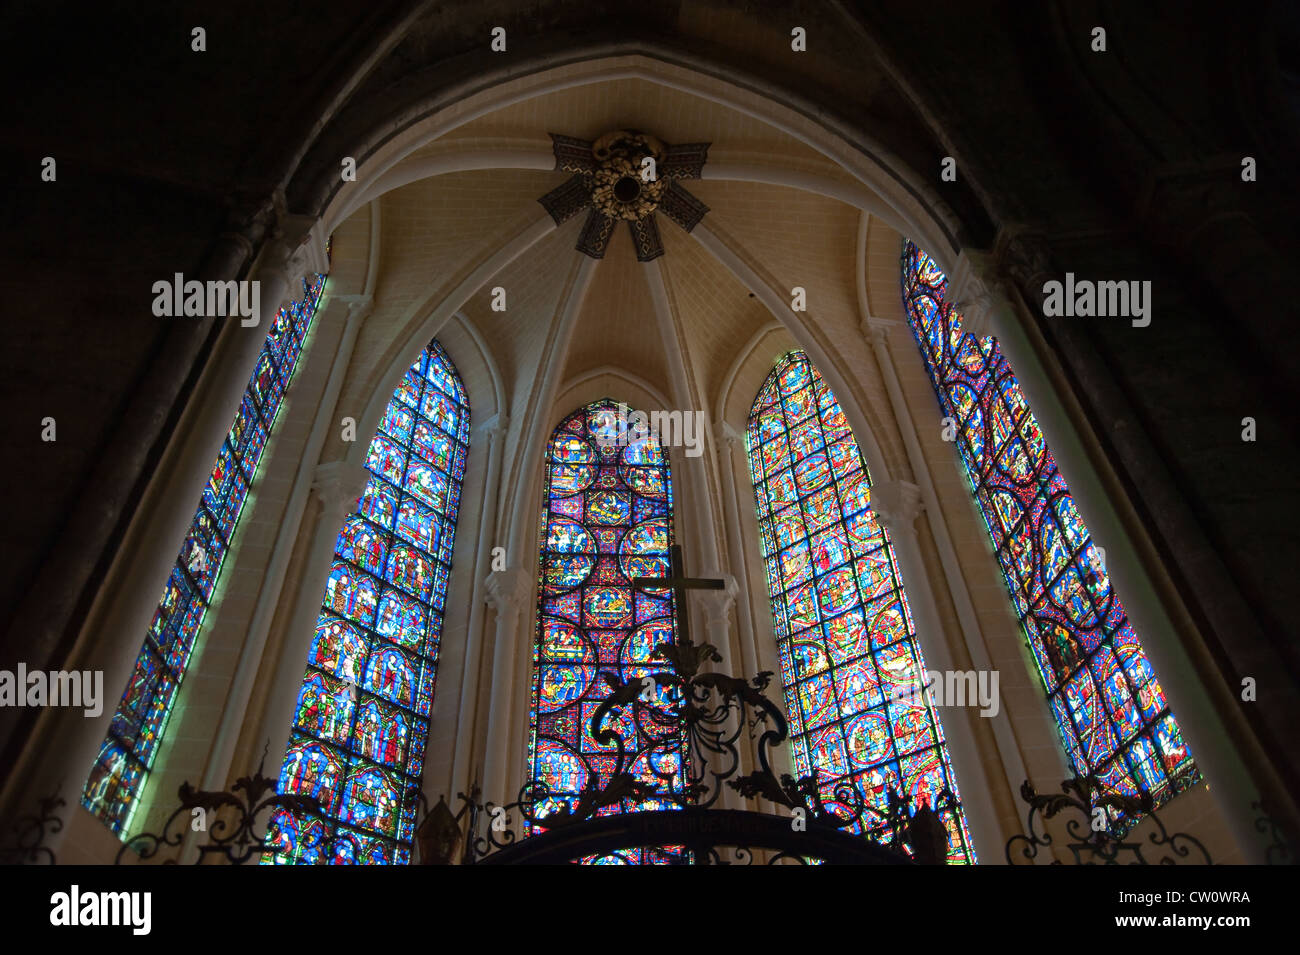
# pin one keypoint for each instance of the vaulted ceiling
(444, 225)
(1123, 164)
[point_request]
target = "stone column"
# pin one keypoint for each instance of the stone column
(41, 617)
(753, 657)
(897, 504)
(986, 303)
(336, 486)
(475, 633)
(508, 594)
(731, 444)
(268, 600)
(717, 606)
(877, 331)
(717, 611)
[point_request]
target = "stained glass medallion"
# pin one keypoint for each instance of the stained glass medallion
(607, 517)
(361, 720)
(851, 665)
(1114, 720)
(126, 756)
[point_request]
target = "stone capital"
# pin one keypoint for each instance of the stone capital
(876, 330)
(294, 248)
(508, 591)
(717, 604)
(727, 437)
(896, 503)
(338, 484)
(494, 428)
(1025, 257)
(315, 249)
(975, 291)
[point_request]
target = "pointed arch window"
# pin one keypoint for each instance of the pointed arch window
(1112, 715)
(851, 664)
(126, 756)
(607, 517)
(361, 719)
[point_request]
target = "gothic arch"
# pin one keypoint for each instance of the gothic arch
(904, 194)
(992, 767)
(480, 376)
(908, 202)
(582, 389)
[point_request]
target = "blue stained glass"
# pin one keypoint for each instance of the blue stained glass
(361, 720)
(112, 790)
(1109, 708)
(851, 665)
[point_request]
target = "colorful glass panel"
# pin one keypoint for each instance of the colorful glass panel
(607, 517)
(1111, 713)
(851, 665)
(112, 790)
(361, 720)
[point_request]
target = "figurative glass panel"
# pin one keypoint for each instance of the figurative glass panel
(361, 720)
(607, 517)
(851, 665)
(1112, 715)
(112, 790)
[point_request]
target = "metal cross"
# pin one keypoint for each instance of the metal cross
(679, 583)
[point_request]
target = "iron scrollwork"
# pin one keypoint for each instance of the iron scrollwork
(29, 834)
(711, 712)
(1279, 851)
(1109, 844)
(234, 822)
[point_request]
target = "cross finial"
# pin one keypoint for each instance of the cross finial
(679, 583)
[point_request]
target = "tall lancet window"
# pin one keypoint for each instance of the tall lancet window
(1108, 705)
(607, 517)
(851, 664)
(112, 791)
(362, 716)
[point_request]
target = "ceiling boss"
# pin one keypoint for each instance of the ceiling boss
(625, 175)
(625, 184)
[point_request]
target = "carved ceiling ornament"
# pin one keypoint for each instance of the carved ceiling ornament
(620, 190)
(625, 176)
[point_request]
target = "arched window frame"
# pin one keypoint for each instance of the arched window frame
(853, 686)
(572, 647)
(375, 650)
(1110, 712)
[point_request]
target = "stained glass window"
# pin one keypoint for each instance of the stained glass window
(851, 665)
(361, 720)
(112, 790)
(1111, 713)
(607, 517)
